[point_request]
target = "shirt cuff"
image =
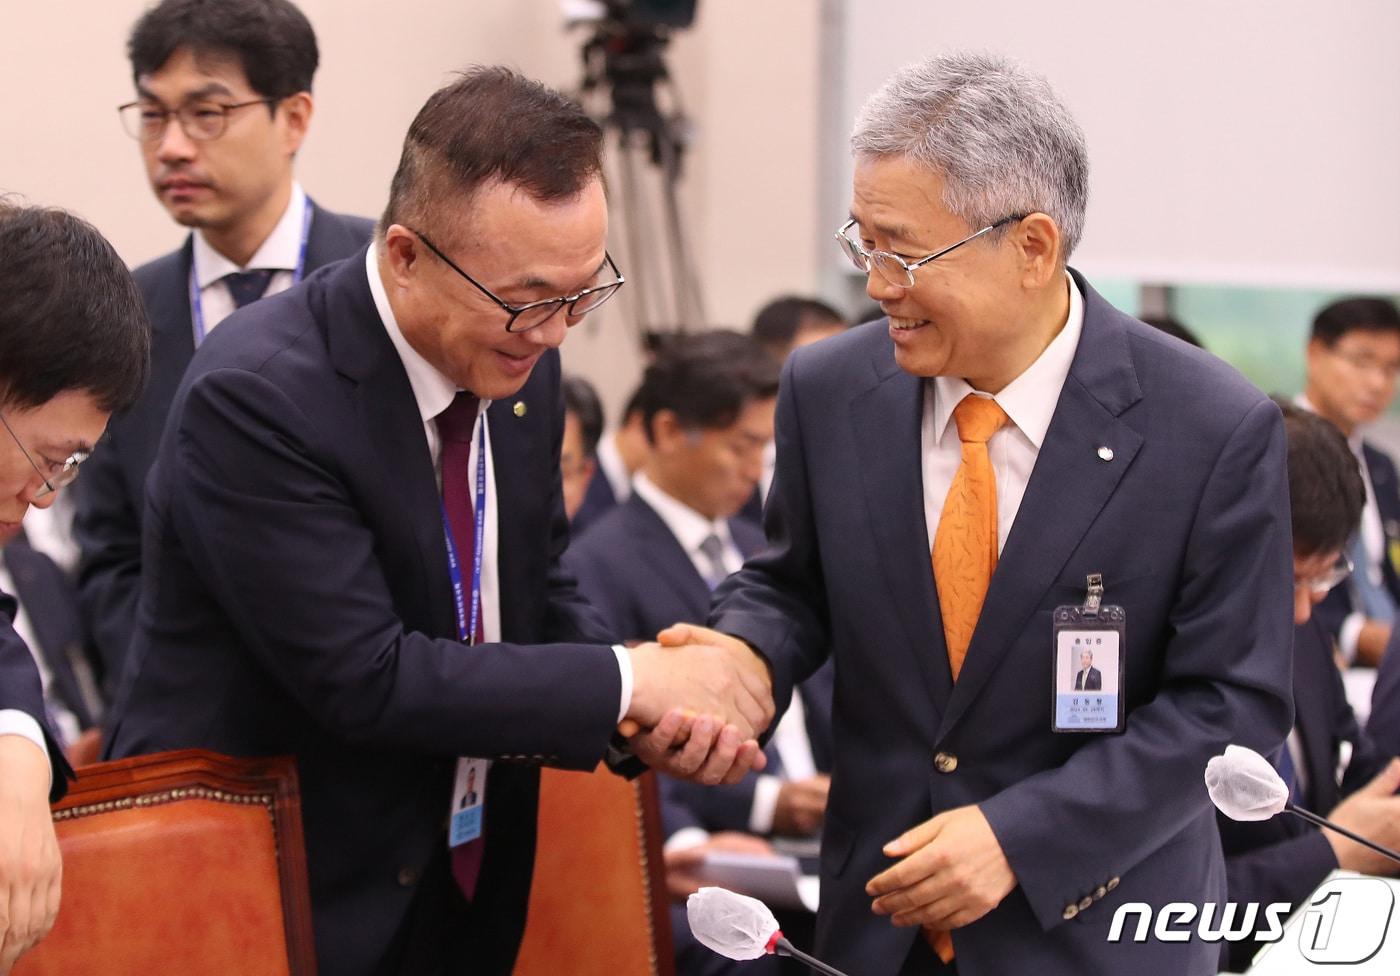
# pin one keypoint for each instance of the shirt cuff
(685, 838)
(624, 669)
(15, 722)
(1349, 634)
(765, 804)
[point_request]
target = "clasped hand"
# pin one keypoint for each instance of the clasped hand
(700, 699)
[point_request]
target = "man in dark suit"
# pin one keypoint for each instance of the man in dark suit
(1088, 677)
(620, 454)
(1284, 859)
(223, 104)
(947, 479)
(707, 405)
(352, 541)
(73, 348)
(1353, 360)
(578, 455)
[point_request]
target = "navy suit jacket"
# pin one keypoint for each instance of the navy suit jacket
(1189, 524)
(110, 499)
(296, 600)
(1286, 858)
(1337, 606)
(635, 572)
(20, 688)
(598, 500)
(1383, 726)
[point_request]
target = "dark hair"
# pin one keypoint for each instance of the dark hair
(70, 315)
(777, 323)
(1172, 327)
(581, 400)
(706, 378)
(1324, 482)
(1365, 314)
(493, 124)
(270, 39)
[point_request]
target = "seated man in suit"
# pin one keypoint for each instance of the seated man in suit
(353, 536)
(578, 455)
(1283, 859)
(1353, 360)
(948, 479)
(621, 454)
(223, 103)
(73, 348)
(707, 406)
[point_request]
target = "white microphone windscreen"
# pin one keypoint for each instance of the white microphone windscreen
(735, 926)
(1244, 785)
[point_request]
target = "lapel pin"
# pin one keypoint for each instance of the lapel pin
(1105, 453)
(519, 408)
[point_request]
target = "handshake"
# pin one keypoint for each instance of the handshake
(700, 699)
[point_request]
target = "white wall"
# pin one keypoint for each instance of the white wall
(747, 72)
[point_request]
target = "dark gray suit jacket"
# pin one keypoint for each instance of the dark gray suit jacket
(1189, 525)
(111, 492)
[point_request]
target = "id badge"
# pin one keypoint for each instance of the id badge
(468, 801)
(1088, 646)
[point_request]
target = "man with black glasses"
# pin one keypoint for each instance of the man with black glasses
(73, 348)
(223, 102)
(355, 524)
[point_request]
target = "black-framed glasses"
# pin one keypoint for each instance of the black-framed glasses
(66, 474)
(893, 268)
(532, 315)
(201, 121)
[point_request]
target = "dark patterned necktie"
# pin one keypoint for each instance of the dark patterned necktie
(247, 287)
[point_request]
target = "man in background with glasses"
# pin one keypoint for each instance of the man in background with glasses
(223, 103)
(355, 524)
(952, 481)
(1353, 360)
(1284, 859)
(73, 348)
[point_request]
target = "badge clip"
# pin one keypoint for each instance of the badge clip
(1093, 596)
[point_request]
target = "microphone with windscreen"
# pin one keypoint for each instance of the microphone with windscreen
(742, 928)
(1244, 785)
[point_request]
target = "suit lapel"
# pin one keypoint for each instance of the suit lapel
(664, 554)
(887, 420)
(1069, 486)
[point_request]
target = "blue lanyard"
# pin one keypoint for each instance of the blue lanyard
(466, 629)
(197, 303)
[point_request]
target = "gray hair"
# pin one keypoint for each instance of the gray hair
(994, 131)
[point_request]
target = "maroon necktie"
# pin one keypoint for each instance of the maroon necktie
(455, 426)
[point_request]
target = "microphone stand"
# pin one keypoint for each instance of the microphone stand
(785, 948)
(1313, 818)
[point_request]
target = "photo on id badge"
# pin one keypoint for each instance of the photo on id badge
(468, 792)
(1087, 673)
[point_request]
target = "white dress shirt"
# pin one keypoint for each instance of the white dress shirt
(612, 467)
(1029, 401)
(434, 393)
(281, 250)
(690, 529)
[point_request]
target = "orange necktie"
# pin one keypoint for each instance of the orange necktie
(965, 545)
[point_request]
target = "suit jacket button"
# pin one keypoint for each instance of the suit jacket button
(1071, 910)
(945, 762)
(408, 877)
(1085, 902)
(1100, 891)
(1112, 883)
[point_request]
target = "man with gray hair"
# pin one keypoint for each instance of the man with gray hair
(1003, 467)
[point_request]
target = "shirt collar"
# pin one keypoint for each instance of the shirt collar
(1030, 399)
(432, 391)
(280, 251)
(688, 526)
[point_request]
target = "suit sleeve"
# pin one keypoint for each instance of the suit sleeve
(284, 550)
(20, 689)
(1225, 678)
(1383, 726)
(1288, 870)
(106, 528)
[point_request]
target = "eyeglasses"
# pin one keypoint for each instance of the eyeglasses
(532, 315)
(893, 268)
(1323, 583)
(201, 121)
(66, 474)
(1362, 363)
